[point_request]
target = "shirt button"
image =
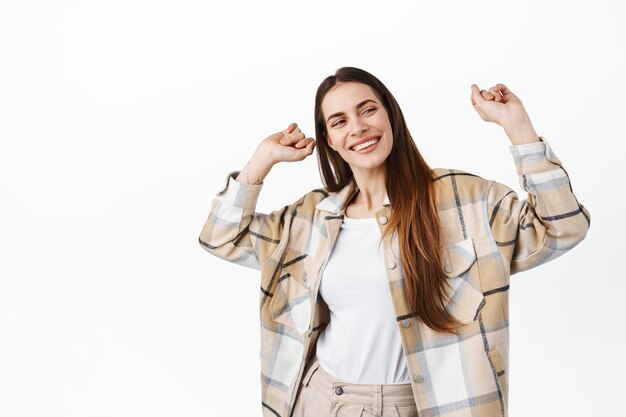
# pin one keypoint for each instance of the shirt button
(391, 264)
(406, 323)
(448, 268)
(382, 220)
(338, 390)
(419, 379)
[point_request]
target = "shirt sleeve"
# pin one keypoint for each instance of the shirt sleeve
(549, 222)
(235, 232)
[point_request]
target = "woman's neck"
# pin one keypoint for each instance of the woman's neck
(372, 190)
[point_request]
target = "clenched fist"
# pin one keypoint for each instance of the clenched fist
(289, 145)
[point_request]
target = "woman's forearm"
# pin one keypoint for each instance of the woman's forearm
(257, 168)
(521, 132)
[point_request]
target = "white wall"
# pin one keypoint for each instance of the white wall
(119, 121)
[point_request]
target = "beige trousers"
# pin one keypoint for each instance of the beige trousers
(322, 395)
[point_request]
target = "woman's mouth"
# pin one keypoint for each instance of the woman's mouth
(367, 146)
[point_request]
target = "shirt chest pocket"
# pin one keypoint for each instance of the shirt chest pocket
(465, 295)
(291, 299)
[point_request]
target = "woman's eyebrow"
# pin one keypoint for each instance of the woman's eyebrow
(364, 102)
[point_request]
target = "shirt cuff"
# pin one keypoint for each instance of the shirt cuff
(535, 157)
(239, 194)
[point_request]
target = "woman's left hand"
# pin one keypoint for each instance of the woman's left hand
(499, 105)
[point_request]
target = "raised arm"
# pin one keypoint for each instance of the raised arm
(545, 225)
(550, 221)
(233, 230)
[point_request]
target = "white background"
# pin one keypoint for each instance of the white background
(119, 121)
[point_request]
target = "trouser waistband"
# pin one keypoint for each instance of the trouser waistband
(374, 394)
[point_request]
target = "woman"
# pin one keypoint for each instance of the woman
(411, 315)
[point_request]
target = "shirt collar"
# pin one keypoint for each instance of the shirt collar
(336, 202)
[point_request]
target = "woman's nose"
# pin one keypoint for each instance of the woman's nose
(358, 128)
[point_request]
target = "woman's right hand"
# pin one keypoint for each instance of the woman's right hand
(289, 145)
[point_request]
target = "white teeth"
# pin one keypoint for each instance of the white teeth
(365, 144)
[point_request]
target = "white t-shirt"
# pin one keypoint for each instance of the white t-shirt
(362, 343)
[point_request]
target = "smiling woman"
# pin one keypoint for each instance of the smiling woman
(386, 291)
(358, 118)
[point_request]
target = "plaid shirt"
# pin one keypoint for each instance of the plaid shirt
(488, 234)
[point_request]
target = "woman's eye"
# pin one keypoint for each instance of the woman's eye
(341, 120)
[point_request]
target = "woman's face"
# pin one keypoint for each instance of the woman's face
(354, 115)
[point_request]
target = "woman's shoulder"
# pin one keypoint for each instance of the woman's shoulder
(311, 199)
(448, 174)
(315, 194)
(459, 181)
(442, 173)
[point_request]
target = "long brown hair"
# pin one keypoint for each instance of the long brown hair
(413, 214)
